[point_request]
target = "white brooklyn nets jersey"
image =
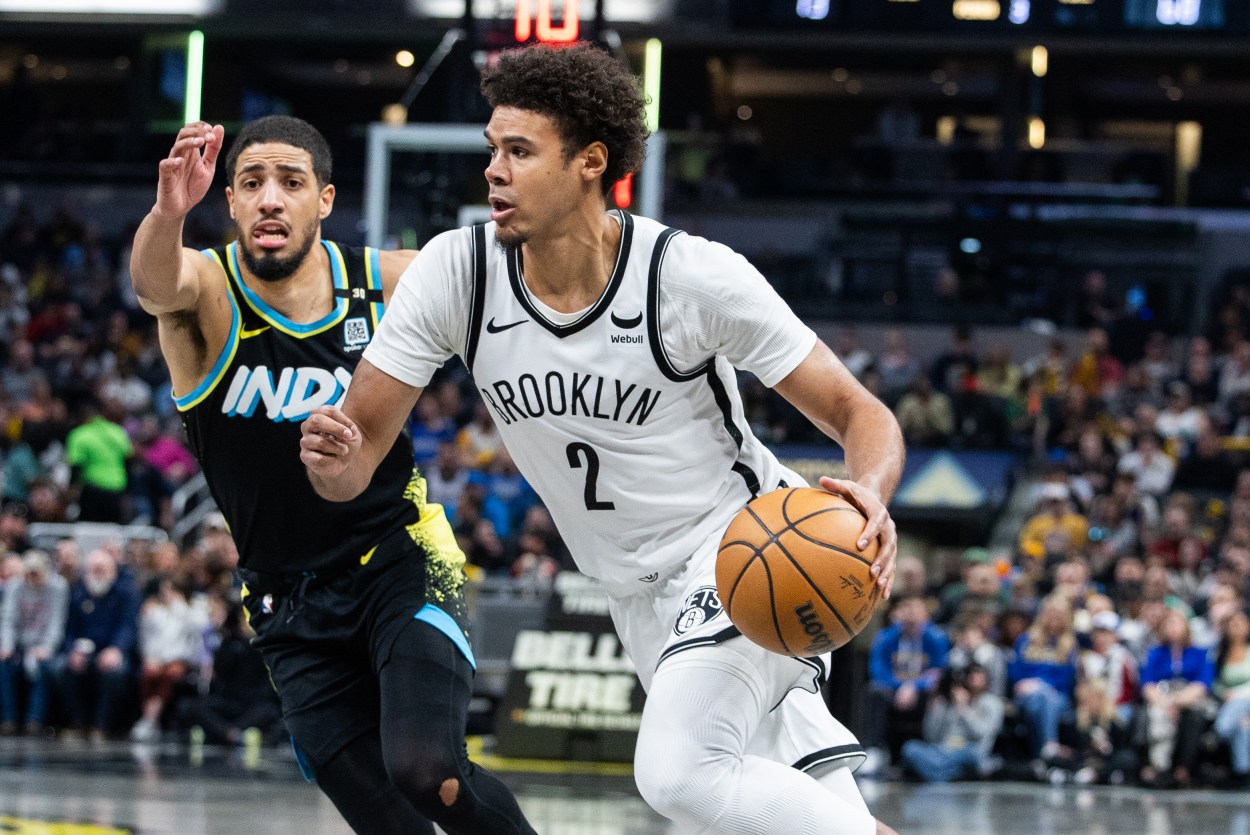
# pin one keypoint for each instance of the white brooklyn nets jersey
(625, 417)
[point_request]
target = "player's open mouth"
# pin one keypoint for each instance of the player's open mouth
(270, 234)
(500, 209)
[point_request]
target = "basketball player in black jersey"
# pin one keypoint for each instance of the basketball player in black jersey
(357, 606)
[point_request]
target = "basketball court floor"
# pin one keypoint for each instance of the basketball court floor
(51, 788)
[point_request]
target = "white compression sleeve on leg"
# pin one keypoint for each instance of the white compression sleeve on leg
(690, 767)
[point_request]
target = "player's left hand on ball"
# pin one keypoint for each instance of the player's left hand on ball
(880, 527)
(330, 439)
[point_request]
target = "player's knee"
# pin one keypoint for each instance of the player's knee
(677, 787)
(429, 783)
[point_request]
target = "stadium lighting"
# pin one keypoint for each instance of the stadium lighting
(651, 82)
(1041, 61)
(195, 77)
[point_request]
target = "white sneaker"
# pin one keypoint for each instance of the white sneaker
(145, 730)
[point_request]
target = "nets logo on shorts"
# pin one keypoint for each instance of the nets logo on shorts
(700, 606)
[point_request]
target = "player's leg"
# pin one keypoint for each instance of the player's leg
(356, 781)
(426, 684)
(703, 709)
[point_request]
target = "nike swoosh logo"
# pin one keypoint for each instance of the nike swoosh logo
(491, 327)
(627, 324)
(246, 334)
(365, 559)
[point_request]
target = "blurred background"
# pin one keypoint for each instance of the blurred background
(1024, 224)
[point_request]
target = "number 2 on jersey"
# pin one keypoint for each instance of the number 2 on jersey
(575, 451)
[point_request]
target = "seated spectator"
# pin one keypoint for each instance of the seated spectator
(896, 365)
(1208, 467)
(430, 430)
(1232, 689)
(1163, 545)
(1149, 464)
(926, 417)
(239, 694)
(1055, 531)
(93, 673)
(1180, 421)
(1043, 674)
(980, 601)
(1098, 743)
(904, 665)
(1108, 662)
(1176, 685)
(445, 478)
(535, 569)
(479, 440)
(973, 647)
(1234, 377)
(1097, 372)
(32, 625)
(171, 640)
(961, 724)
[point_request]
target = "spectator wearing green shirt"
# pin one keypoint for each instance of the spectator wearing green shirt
(97, 452)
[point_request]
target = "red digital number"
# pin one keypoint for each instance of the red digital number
(527, 21)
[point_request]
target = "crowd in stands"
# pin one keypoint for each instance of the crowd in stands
(1110, 643)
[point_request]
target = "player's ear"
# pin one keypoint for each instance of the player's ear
(327, 201)
(594, 161)
(230, 201)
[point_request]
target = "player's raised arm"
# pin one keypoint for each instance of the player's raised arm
(831, 398)
(164, 275)
(342, 448)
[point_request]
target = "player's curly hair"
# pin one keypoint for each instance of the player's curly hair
(591, 96)
(289, 131)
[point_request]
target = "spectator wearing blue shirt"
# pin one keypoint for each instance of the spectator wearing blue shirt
(904, 666)
(100, 635)
(430, 429)
(1043, 674)
(1176, 687)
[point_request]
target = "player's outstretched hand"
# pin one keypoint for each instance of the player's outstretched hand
(187, 173)
(329, 442)
(880, 526)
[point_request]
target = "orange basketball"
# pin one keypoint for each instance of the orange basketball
(789, 574)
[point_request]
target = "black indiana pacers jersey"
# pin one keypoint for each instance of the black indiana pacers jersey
(243, 422)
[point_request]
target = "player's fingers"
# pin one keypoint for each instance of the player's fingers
(327, 420)
(212, 144)
(323, 443)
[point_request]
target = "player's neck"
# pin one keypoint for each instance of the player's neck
(569, 272)
(304, 296)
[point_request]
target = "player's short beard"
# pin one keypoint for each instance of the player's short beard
(510, 241)
(269, 267)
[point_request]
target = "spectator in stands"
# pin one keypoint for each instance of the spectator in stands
(1234, 377)
(21, 469)
(446, 477)
(1157, 361)
(164, 449)
(1097, 372)
(926, 417)
(955, 365)
(239, 694)
(32, 625)
(999, 377)
(1186, 579)
(1176, 684)
(1232, 689)
(1180, 421)
(1043, 674)
(430, 429)
(1108, 662)
(1099, 738)
(982, 600)
(1200, 372)
(973, 646)
(1055, 531)
(513, 494)
(853, 356)
(961, 724)
(904, 666)
(14, 531)
(535, 569)
(93, 674)
(1178, 521)
(1096, 305)
(1137, 390)
(98, 451)
(67, 559)
(11, 568)
(20, 374)
(1072, 580)
(123, 385)
(1149, 464)
(897, 366)
(171, 641)
(479, 440)
(1208, 468)
(1091, 466)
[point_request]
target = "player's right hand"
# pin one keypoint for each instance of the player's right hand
(187, 173)
(330, 441)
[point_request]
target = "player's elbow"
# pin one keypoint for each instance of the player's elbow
(334, 490)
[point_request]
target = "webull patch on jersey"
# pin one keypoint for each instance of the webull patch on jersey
(699, 607)
(293, 396)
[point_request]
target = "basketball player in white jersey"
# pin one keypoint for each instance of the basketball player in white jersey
(605, 346)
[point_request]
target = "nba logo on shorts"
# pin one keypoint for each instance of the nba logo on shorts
(700, 606)
(266, 605)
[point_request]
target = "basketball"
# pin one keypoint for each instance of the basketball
(789, 574)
